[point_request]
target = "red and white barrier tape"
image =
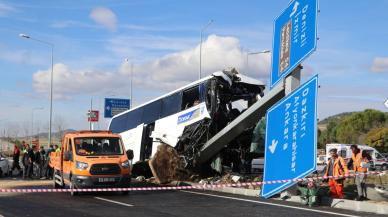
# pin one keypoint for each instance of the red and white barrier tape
(196, 186)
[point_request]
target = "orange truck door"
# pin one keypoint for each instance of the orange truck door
(67, 164)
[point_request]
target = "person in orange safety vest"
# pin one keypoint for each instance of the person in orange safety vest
(336, 167)
(360, 161)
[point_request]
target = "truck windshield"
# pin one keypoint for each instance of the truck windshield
(98, 146)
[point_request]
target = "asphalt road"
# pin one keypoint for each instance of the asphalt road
(155, 203)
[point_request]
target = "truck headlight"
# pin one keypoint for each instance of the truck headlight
(81, 165)
(126, 164)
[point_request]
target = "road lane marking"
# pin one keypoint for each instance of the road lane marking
(113, 201)
(271, 204)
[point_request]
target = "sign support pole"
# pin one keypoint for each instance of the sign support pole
(293, 80)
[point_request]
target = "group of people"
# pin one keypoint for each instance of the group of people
(338, 169)
(35, 161)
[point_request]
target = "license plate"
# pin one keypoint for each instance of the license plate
(106, 179)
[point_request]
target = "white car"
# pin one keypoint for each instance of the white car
(4, 166)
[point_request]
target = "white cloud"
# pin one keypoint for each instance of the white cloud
(5, 9)
(162, 74)
(218, 53)
(69, 82)
(380, 64)
(105, 17)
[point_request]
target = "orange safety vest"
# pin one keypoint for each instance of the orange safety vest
(357, 159)
(339, 167)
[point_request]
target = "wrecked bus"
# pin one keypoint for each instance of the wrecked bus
(189, 116)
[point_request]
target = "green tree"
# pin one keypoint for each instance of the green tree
(378, 138)
(353, 127)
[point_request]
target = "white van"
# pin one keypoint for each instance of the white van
(379, 161)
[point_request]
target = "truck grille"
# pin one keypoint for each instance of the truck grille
(105, 169)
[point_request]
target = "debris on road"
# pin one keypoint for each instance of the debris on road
(167, 165)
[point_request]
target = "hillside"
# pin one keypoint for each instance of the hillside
(366, 127)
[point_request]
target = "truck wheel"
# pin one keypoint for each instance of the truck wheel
(55, 183)
(72, 188)
(384, 167)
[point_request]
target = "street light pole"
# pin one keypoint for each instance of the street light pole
(200, 47)
(254, 53)
(51, 80)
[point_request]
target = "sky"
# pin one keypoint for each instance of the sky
(93, 39)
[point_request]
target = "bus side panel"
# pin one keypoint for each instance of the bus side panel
(173, 125)
(132, 140)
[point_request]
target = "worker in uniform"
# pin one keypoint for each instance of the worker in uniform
(336, 167)
(359, 162)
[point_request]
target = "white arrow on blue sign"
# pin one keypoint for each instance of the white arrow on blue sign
(295, 37)
(291, 138)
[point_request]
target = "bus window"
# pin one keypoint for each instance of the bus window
(134, 118)
(151, 112)
(190, 98)
(171, 104)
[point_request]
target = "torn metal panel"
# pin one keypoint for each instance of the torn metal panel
(203, 140)
(246, 120)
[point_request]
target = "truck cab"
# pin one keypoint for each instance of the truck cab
(91, 159)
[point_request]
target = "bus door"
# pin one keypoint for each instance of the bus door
(146, 141)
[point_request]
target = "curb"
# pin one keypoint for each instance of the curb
(361, 206)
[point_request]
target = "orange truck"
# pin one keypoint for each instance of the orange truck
(91, 159)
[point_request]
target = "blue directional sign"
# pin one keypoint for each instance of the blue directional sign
(115, 106)
(295, 37)
(291, 138)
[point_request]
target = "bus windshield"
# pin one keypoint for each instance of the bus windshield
(98, 146)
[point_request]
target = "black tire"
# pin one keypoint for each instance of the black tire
(384, 167)
(55, 184)
(8, 172)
